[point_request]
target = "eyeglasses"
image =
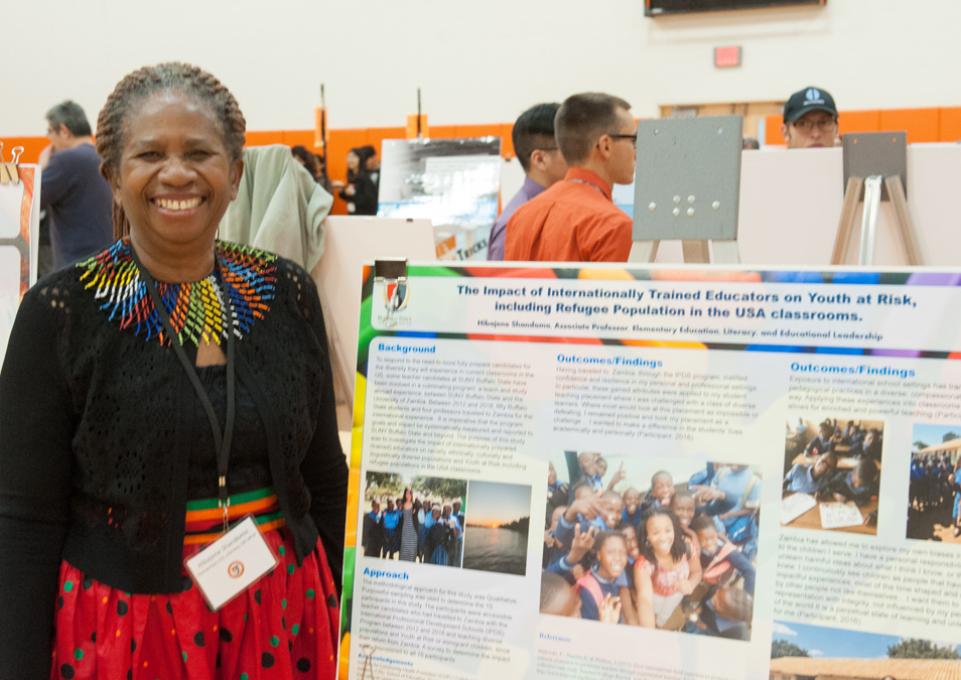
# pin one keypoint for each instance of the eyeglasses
(632, 137)
(822, 124)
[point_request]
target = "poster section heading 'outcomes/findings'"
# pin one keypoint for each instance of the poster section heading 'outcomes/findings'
(655, 473)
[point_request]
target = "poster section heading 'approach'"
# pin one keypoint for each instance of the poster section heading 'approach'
(654, 473)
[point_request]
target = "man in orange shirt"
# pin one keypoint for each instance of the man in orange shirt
(575, 220)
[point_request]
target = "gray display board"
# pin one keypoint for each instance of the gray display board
(687, 180)
(876, 153)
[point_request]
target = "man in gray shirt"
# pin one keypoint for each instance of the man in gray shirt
(75, 195)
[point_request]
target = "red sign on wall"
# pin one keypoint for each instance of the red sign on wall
(727, 57)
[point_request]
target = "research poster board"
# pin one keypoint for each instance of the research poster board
(663, 473)
(455, 183)
(19, 236)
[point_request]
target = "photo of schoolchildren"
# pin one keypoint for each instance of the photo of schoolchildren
(414, 518)
(656, 543)
(832, 474)
(934, 496)
(846, 438)
(495, 538)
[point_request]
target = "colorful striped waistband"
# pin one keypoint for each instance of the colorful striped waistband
(205, 520)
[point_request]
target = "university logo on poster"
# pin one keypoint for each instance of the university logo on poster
(393, 295)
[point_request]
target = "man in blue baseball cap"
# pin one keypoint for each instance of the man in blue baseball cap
(810, 119)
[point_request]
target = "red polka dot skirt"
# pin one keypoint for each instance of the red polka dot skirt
(284, 626)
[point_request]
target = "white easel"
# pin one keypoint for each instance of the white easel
(693, 251)
(874, 164)
(871, 187)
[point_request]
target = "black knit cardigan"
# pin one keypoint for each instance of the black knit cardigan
(97, 426)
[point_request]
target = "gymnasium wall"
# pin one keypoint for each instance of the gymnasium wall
(478, 63)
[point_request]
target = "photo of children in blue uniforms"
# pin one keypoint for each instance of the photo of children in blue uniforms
(414, 518)
(832, 477)
(934, 495)
(626, 549)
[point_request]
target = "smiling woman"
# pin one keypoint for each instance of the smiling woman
(174, 166)
(173, 184)
(169, 387)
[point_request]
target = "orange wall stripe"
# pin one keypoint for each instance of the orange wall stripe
(922, 125)
(32, 146)
(772, 130)
(859, 121)
(950, 128)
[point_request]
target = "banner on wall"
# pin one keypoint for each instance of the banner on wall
(19, 237)
(455, 183)
(654, 473)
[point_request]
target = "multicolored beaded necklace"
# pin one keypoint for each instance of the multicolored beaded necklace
(196, 308)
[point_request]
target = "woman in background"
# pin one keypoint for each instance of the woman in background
(360, 191)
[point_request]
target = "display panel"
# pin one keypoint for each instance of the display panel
(19, 234)
(651, 472)
(452, 182)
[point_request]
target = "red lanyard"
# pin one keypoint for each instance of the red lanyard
(577, 180)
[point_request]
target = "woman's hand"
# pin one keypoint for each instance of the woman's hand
(644, 587)
(610, 610)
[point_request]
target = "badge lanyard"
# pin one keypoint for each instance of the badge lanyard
(222, 439)
(577, 180)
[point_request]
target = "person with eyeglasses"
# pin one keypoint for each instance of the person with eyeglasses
(576, 220)
(810, 119)
(536, 149)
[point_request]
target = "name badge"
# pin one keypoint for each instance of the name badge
(232, 563)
